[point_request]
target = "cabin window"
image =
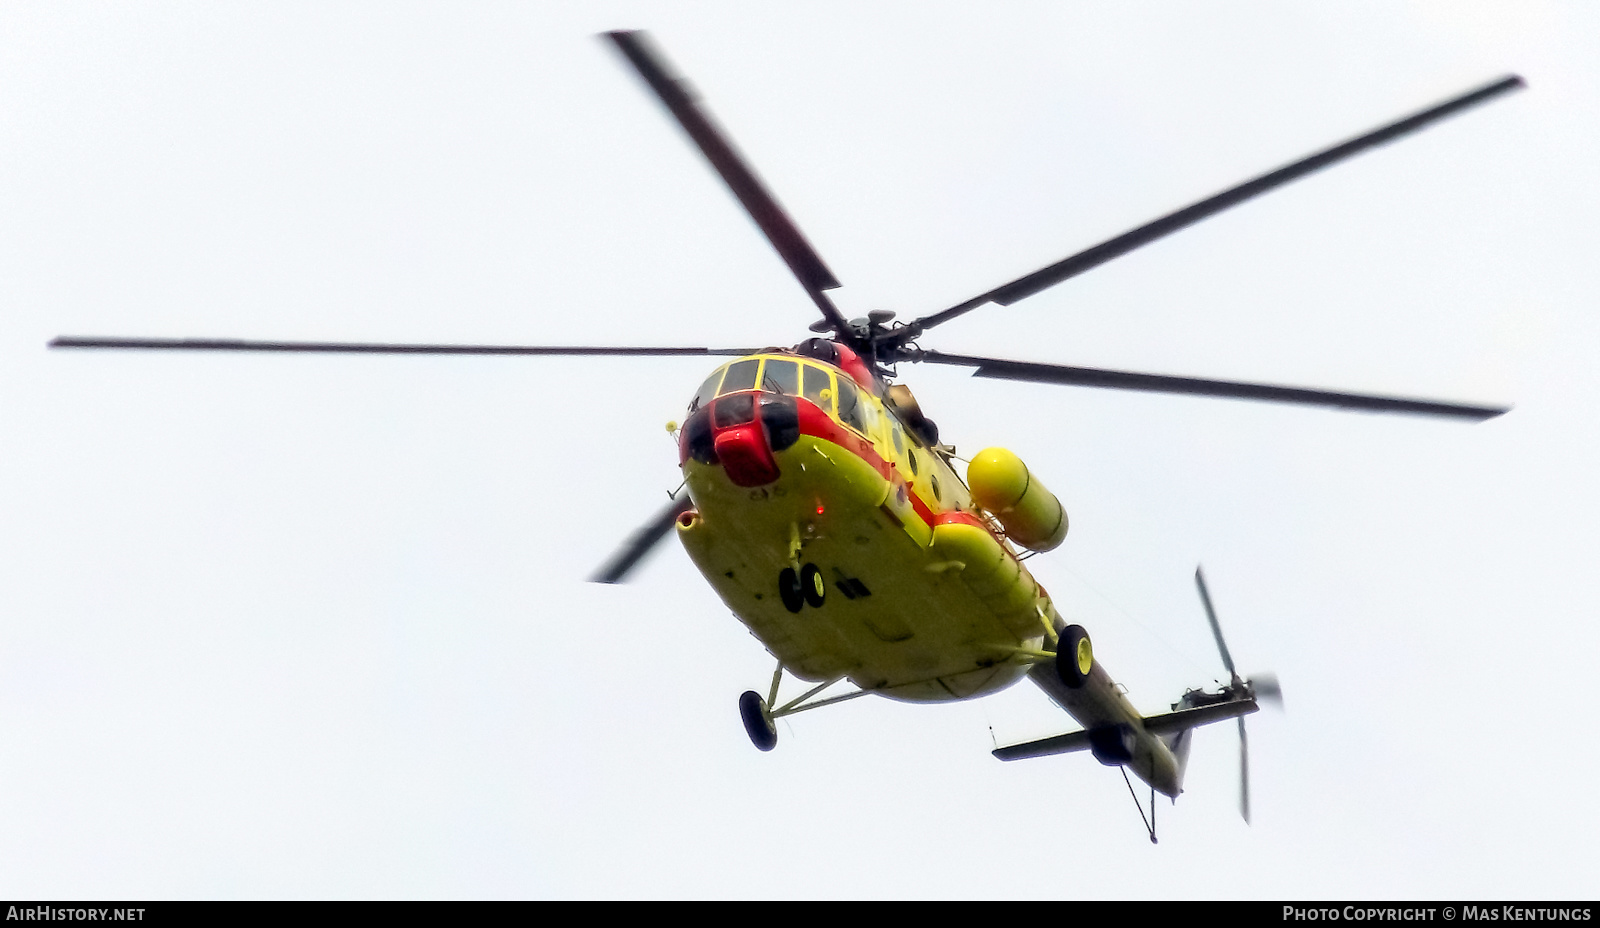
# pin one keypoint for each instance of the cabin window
(707, 391)
(741, 376)
(899, 436)
(780, 375)
(818, 385)
(933, 482)
(867, 411)
(849, 411)
(911, 459)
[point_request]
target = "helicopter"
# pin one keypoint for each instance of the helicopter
(821, 504)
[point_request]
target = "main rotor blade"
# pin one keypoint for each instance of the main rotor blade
(1074, 265)
(234, 344)
(1216, 629)
(642, 541)
(762, 206)
(1160, 383)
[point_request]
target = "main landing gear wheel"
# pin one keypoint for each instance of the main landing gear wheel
(812, 585)
(1074, 656)
(758, 722)
(789, 590)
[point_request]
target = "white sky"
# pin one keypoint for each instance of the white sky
(317, 627)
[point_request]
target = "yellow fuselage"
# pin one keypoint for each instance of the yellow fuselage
(924, 597)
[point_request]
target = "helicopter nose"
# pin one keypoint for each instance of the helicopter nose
(741, 443)
(745, 456)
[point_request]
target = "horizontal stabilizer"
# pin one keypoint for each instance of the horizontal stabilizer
(1174, 722)
(1056, 744)
(1166, 724)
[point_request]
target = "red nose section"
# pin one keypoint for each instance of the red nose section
(745, 456)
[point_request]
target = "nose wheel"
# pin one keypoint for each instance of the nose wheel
(758, 722)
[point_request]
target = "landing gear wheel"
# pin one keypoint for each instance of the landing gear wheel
(812, 585)
(757, 721)
(789, 591)
(1074, 656)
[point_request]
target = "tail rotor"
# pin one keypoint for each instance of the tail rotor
(1262, 687)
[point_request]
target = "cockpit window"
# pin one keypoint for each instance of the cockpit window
(706, 392)
(781, 376)
(819, 387)
(741, 376)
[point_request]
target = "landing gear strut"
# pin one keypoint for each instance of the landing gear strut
(759, 714)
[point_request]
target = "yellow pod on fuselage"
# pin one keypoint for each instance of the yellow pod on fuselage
(1032, 515)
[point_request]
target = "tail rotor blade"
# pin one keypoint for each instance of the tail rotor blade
(1216, 629)
(1267, 689)
(1262, 687)
(1244, 773)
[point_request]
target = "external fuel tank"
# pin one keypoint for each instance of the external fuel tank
(1033, 517)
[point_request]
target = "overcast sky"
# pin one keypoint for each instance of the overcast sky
(318, 626)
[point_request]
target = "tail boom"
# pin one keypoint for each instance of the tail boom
(1117, 734)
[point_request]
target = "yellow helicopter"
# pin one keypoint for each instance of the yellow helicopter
(821, 504)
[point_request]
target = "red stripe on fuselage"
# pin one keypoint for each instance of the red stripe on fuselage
(962, 518)
(818, 424)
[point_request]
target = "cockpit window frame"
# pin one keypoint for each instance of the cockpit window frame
(820, 384)
(823, 397)
(767, 383)
(708, 390)
(755, 377)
